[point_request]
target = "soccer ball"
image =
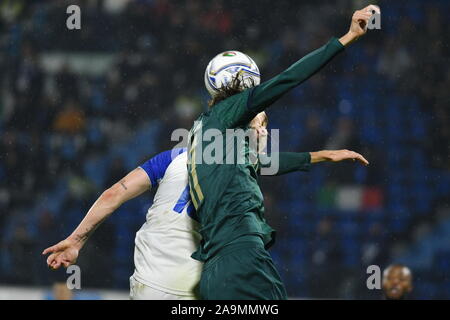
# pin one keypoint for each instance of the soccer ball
(224, 67)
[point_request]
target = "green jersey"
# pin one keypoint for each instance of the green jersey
(226, 194)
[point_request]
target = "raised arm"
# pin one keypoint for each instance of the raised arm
(264, 95)
(66, 252)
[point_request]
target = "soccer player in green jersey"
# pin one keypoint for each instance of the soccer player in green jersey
(226, 195)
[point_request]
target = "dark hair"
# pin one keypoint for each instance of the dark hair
(235, 86)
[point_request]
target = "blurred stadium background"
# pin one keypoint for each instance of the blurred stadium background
(78, 109)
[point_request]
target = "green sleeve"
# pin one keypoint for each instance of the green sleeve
(265, 94)
(241, 108)
(288, 161)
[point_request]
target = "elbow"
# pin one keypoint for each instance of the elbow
(111, 198)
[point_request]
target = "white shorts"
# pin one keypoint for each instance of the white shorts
(140, 291)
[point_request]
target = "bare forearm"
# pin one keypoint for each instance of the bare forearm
(105, 205)
(336, 156)
(319, 156)
(65, 252)
(348, 38)
(131, 186)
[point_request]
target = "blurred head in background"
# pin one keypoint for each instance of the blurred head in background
(397, 282)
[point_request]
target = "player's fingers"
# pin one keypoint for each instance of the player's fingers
(362, 13)
(49, 250)
(360, 158)
(362, 16)
(56, 263)
(361, 23)
(53, 265)
(371, 8)
(51, 259)
(57, 247)
(54, 257)
(66, 263)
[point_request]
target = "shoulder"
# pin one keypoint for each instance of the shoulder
(157, 166)
(233, 111)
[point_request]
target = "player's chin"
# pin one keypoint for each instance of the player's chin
(395, 293)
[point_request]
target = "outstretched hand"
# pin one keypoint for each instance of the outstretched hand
(337, 155)
(340, 155)
(359, 24)
(64, 253)
(360, 19)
